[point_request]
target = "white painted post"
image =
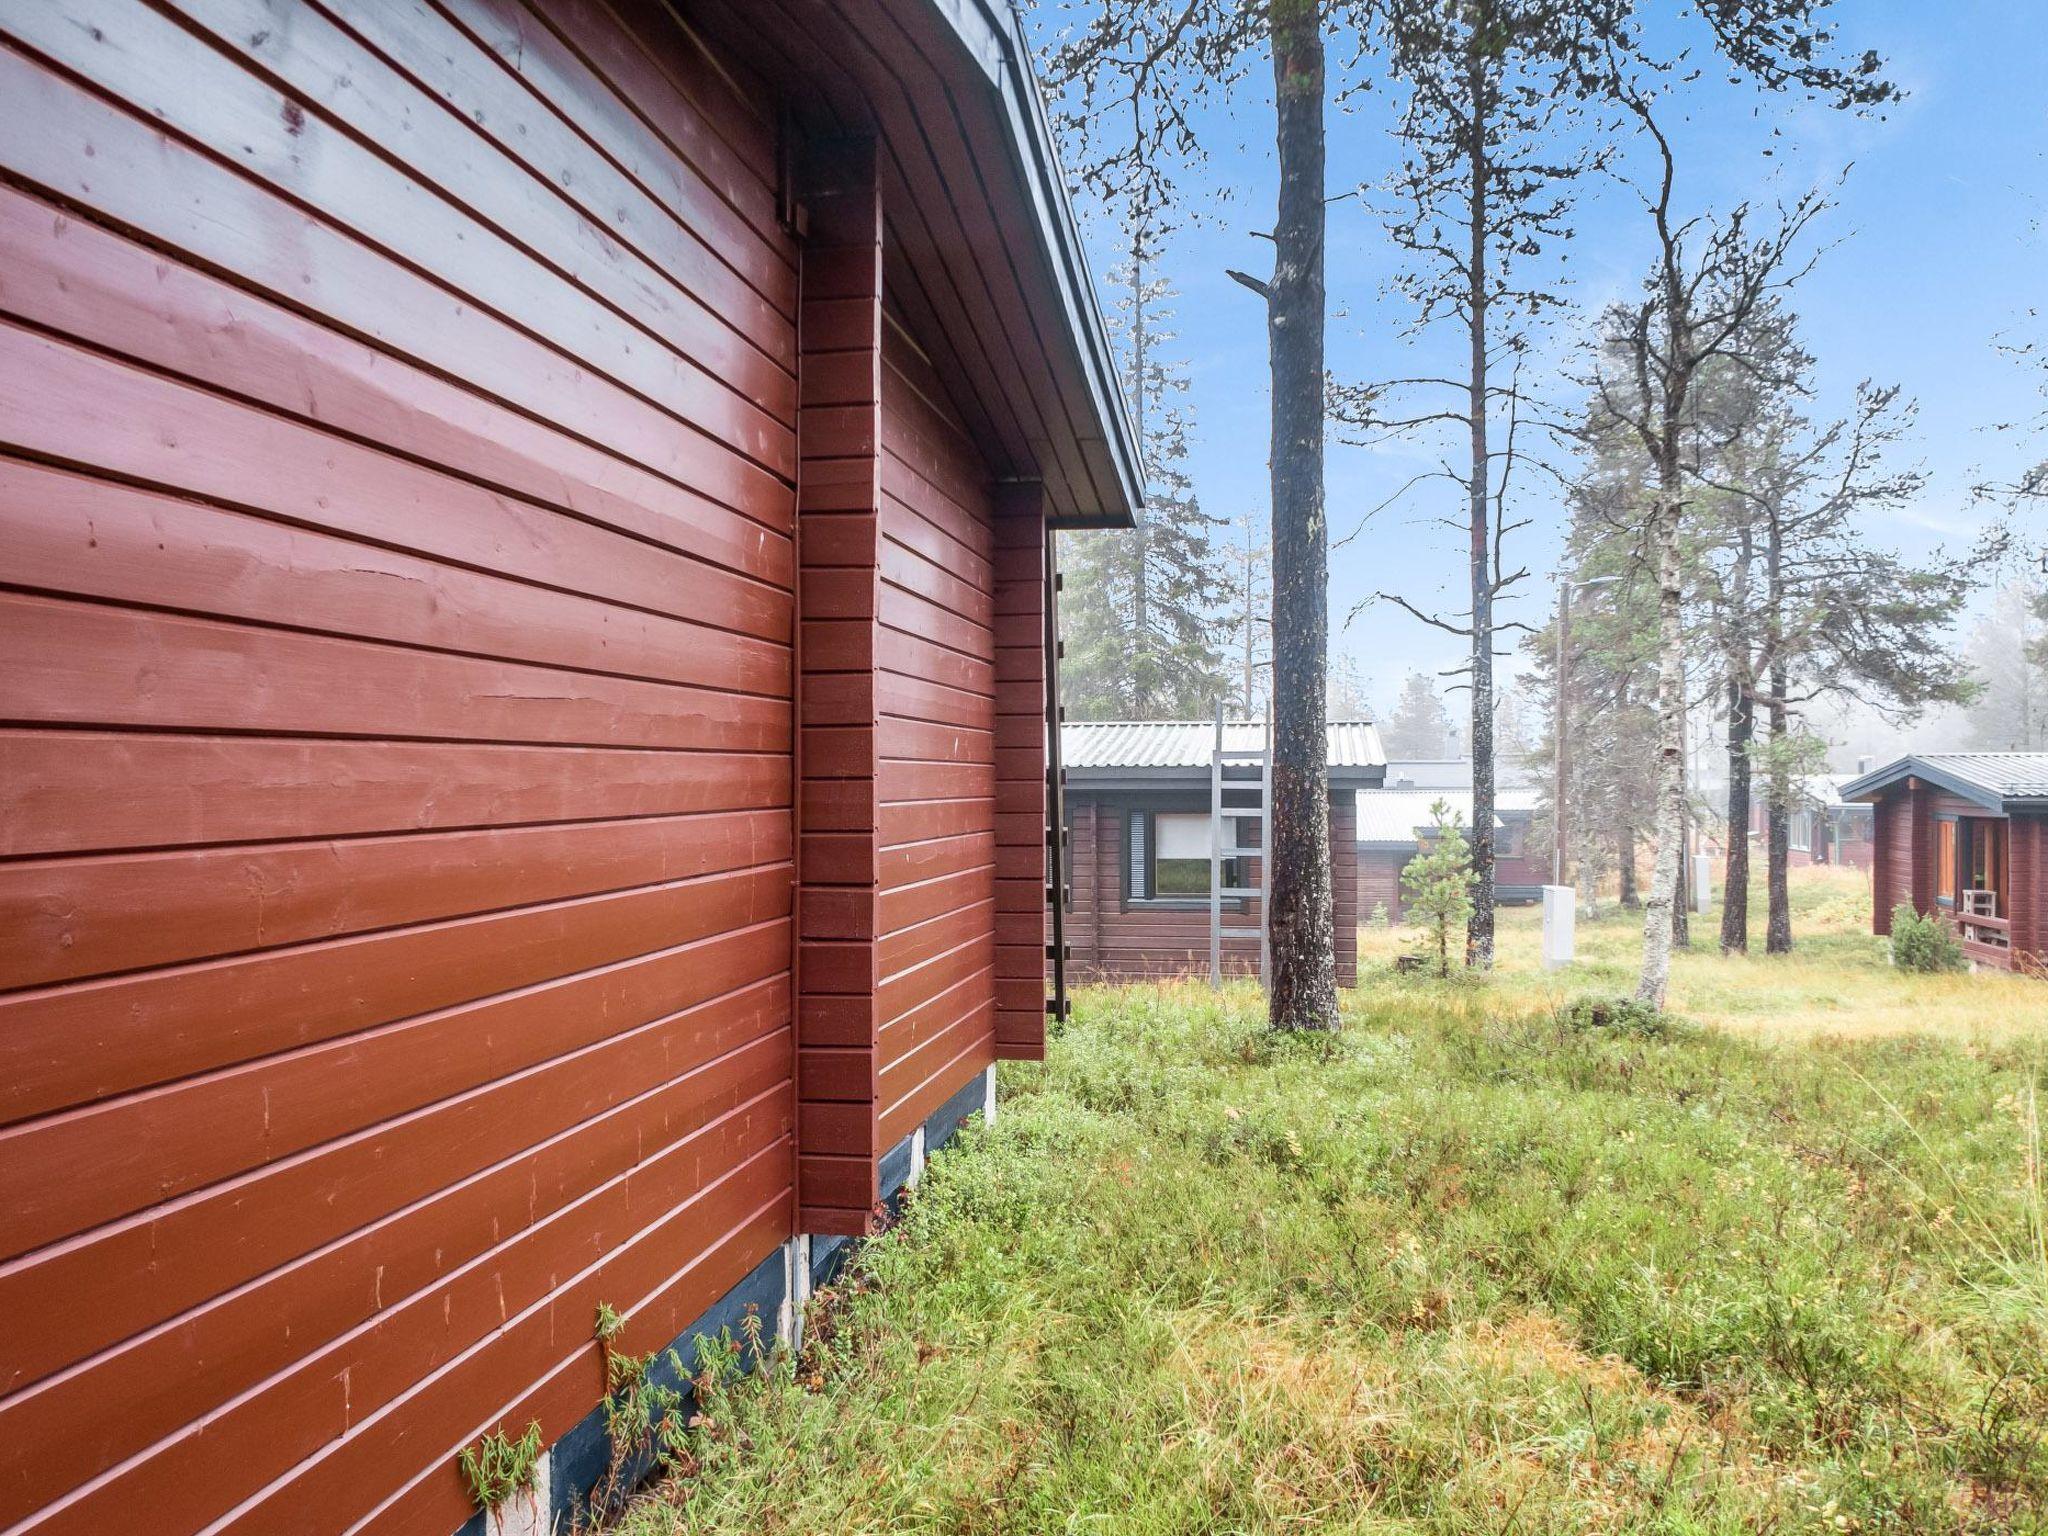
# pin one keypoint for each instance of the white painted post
(988, 1095)
(526, 1513)
(916, 1158)
(1558, 918)
(796, 1291)
(1702, 883)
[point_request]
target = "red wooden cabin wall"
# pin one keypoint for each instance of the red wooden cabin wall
(935, 684)
(839, 497)
(398, 461)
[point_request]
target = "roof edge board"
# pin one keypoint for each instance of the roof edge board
(1871, 784)
(996, 45)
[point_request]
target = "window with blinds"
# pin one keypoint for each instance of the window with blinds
(1167, 855)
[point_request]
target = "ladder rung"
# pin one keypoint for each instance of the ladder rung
(1242, 853)
(1239, 890)
(1239, 933)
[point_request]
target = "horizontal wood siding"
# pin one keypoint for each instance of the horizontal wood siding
(1344, 885)
(397, 437)
(839, 554)
(1115, 939)
(935, 750)
(2028, 885)
(1023, 910)
(1379, 881)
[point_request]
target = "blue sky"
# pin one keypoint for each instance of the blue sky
(1937, 250)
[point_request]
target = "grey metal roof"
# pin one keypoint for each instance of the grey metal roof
(1999, 780)
(1510, 772)
(1429, 773)
(1825, 790)
(1396, 817)
(1124, 746)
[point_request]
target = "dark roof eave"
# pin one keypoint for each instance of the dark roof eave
(991, 33)
(1167, 778)
(1873, 784)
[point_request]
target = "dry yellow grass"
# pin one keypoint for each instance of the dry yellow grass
(1837, 981)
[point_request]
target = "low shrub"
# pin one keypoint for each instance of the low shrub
(1924, 944)
(1617, 1015)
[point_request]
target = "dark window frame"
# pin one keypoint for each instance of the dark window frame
(1147, 899)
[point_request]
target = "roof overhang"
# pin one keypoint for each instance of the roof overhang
(1127, 780)
(995, 283)
(1872, 786)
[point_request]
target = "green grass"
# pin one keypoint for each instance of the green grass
(1836, 981)
(1468, 1267)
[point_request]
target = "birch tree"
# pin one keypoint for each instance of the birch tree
(1709, 278)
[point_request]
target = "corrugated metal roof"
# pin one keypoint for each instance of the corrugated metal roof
(1400, 815)
(1510, 772)
(1825, 789)
(2014, 775)
(1429, 773)
(1991, 777)
(1139, 744)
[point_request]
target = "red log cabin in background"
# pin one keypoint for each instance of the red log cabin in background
(1964, 835)
(1138, 804)
(526, 601)
(1823, 828)
(1394, 822)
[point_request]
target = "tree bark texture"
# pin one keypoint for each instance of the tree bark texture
(1302, 992)
(1657, 910)
(1777, 820)
(1735, 878)
(1778, 926)
(1681, 896)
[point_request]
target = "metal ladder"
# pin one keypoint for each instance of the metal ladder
(1223, 757)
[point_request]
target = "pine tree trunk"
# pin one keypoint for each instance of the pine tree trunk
(1778, 927)
(1479, 931)
(1735, 879)
(1777, 820)
(1657, 910)
(1303, 990)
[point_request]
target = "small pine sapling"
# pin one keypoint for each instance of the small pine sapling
(1439, 882)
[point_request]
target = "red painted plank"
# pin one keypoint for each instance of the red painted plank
(66, 1173)
(137, 56)
(72, 276)
(69, 533)
(231, 224)
(58, 1433)
(69, 917)
(81, 791)
(59, 402)
(82, 1042)
(85, 664)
